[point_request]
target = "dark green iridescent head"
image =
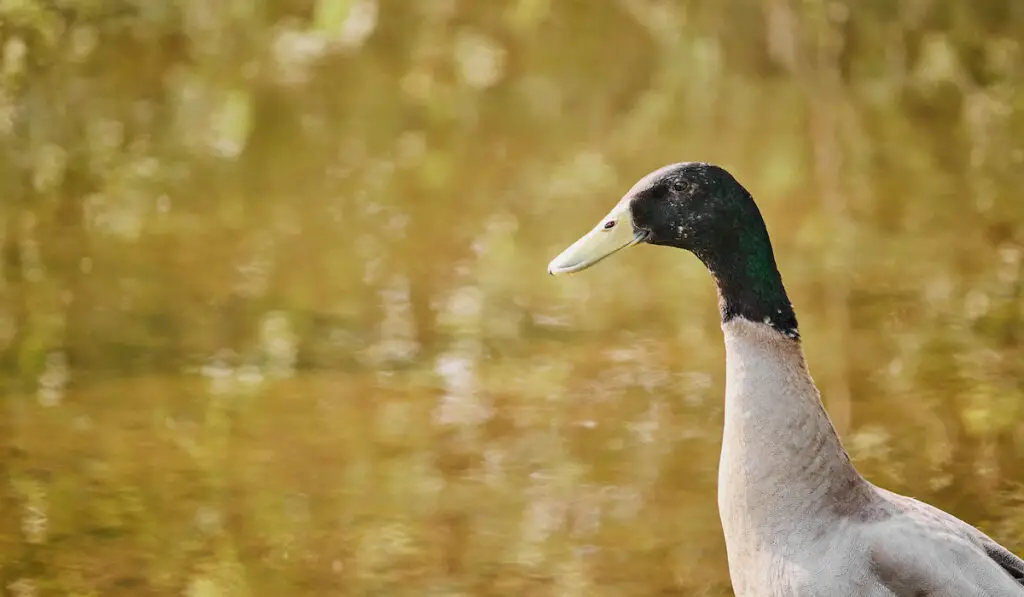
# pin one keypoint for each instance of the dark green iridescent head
(703, 209)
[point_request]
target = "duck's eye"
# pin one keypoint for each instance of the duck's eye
(679, 185)
(609, 224)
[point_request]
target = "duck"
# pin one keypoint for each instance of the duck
(797, 517)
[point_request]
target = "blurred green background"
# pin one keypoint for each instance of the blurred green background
(274, 314)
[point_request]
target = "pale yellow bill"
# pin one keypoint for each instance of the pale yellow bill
(613, 233)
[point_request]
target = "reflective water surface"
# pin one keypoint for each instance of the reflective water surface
(275, 320)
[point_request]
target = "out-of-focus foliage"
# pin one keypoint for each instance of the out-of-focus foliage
(274, 318)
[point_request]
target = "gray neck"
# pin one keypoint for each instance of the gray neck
(783, 468)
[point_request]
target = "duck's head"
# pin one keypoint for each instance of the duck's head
(703, 209)
(694, 206)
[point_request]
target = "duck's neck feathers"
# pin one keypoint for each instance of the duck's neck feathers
(783, 468)
(742, 263)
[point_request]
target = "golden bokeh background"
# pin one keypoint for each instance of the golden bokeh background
(274, 315)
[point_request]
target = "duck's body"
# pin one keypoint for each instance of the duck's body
(799, 520)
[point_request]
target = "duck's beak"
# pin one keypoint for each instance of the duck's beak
(613, 233)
